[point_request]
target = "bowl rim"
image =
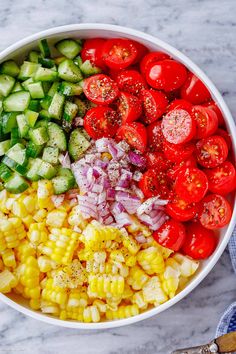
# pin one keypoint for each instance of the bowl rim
(230, 124)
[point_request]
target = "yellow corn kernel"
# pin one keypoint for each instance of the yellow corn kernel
(30, 202)
(45, 264)
(54, 293)
(28, 220)
(44, 193)
(37, 233)
(91, 314)
(29, 277)
(138, 299)
(56, 218)
(76, 219)
(106, 155)
(40, 215)
(153, 292)
(151, 260)
(8, 257)
(24, 250)
(130, 243)
(7, 281)
(102, 307)
(122, 312)
(188, 266)
(19, 209)
(3, 199)
(137, 227)
(77, 299)
(104, 284)
(49, 307)
(96, 235)
(1, 265)
(137, 278)
(70, 276)
(11, 232)
(34, 304)
(127, 293)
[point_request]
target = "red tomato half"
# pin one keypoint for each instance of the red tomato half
(101, 122)
(191, 184)
(213, 105)
(178, 153)
(167, 75)
(157, 160)
(194, 90)
(119, 53)
(206, 121)
(175, 168)
(180, 210)
(152, 57)
(92, 50)
(141, 51)
(134, 134)
(129, 107)
(215, 212)
(199, 243)
(171, 235)
(131, 81)
(154, 183)
(180, 104)
(222, 179)
(154, 105)
(155, 136)
(212, 151)
(100, 89)
(224, 134)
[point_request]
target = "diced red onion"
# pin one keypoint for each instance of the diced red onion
(141, 239)
(123, 219)
(137, 176)
(78, 122)
(111, 194)
(58, 200)
(137, 159)
(117, 208)
(102, 144)
(65, 160)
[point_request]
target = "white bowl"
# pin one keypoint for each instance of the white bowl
(19, 50)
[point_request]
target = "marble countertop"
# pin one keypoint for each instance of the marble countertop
(205, 30)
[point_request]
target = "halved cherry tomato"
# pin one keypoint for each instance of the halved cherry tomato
(180, 104)
(194, 90)
(167, 75)
(222, 179)
(134, 134)
(213, 105)
(206, 121)
(100, 89)
(178, 126)
(174, 169)
(178, 152)
(180, 210)
(215, 212)
(119, 53)
(224, 134)
(131, 81)
(157, 160)
(101, 122)
(154, 183)
(129, 107)
(154, 105)
(142, 51)
(152, 57)
(212, 151)
(155, 136)
(191, 184)
(199, 243)
(92, 51)
(171, 235)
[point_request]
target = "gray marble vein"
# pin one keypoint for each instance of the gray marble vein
(205, 30)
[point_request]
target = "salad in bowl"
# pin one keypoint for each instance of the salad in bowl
(116, 170)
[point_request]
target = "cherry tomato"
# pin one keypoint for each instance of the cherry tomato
(167, 75)
(206, 121)
(131, 81)
(178, 126)
(174, 169)
(155, 136)
(224, 134)
(100, 89)
(154, 183)
(191, 184)
(171, 235)
(119, 53)
(194, 90)
(101, 122)
(141, 51)
(152, 57)
(157, 160)
(178, 153)
(154, 105)
(134, 134)
(222, 179)
(129, 107)
(180, 104)
(215, 212)
(212, 151)
(213, 105)
(92, 50)
(199, 243)
(180, 210)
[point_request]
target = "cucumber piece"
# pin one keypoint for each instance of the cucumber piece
(6, 84)
(44, 74)
(16, 102)
(50, 154)
(4, 146)
(44, 48)
(46, 86)
(23, 125)
(44, 114)
(34, 105)
(70, 89)
(68, 71)
(70, 111)
(22, 170)
(69, 48)
(53, 89)
(36, 90)
(46, 63)
(46, 170)
(42, 123)
(16, 184)
(82, 107)
(31, 117)
(39, 136)
(45, 102)
(57, 137)
(78, 61)
(8, 122)
(89, 69)
(15, 136)
(18, 154)
(78, 143)
(17, 87)
(33, 168)
(1, 108)
(66, 172)
(33, 150)
(9, 67)
(28, 70)
(34, 56)
(56, 107)
(5, 172)
(26, 83)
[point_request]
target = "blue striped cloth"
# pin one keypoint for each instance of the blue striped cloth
(228, 320)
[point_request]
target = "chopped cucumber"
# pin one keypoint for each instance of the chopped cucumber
(31, 117)
(69, 48)
(66, 172)
(6, 84)
(50, 154)
(44, 48)
(18, 154)
(4, 146)
(70, 89)
(45, 102)
(70, 111)
(16, 102)
(56, 107)
(78, 61)
(64, 181)
(15, 136)
(23, 125)
(82, 107)
(36, 90)
(33, 168)
(39, 136)
(34, 105)
(44, 74)
(57, 137)
(5, 172)
(33, 150)
(46, 86)
(26, 83)
(44, 114)
(89, 69)
(28, 70)
(47, 63)
(78, 143)
(68, 71)
(46, 170)
(34, 56)
(16, 184)
(8, 122)
(17, 87)
(9, 67)
(53, 89)
(15, 166)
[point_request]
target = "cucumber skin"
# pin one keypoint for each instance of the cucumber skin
(57, 137)
(78, 144)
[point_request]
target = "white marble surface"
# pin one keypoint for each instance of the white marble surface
(205, 30)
